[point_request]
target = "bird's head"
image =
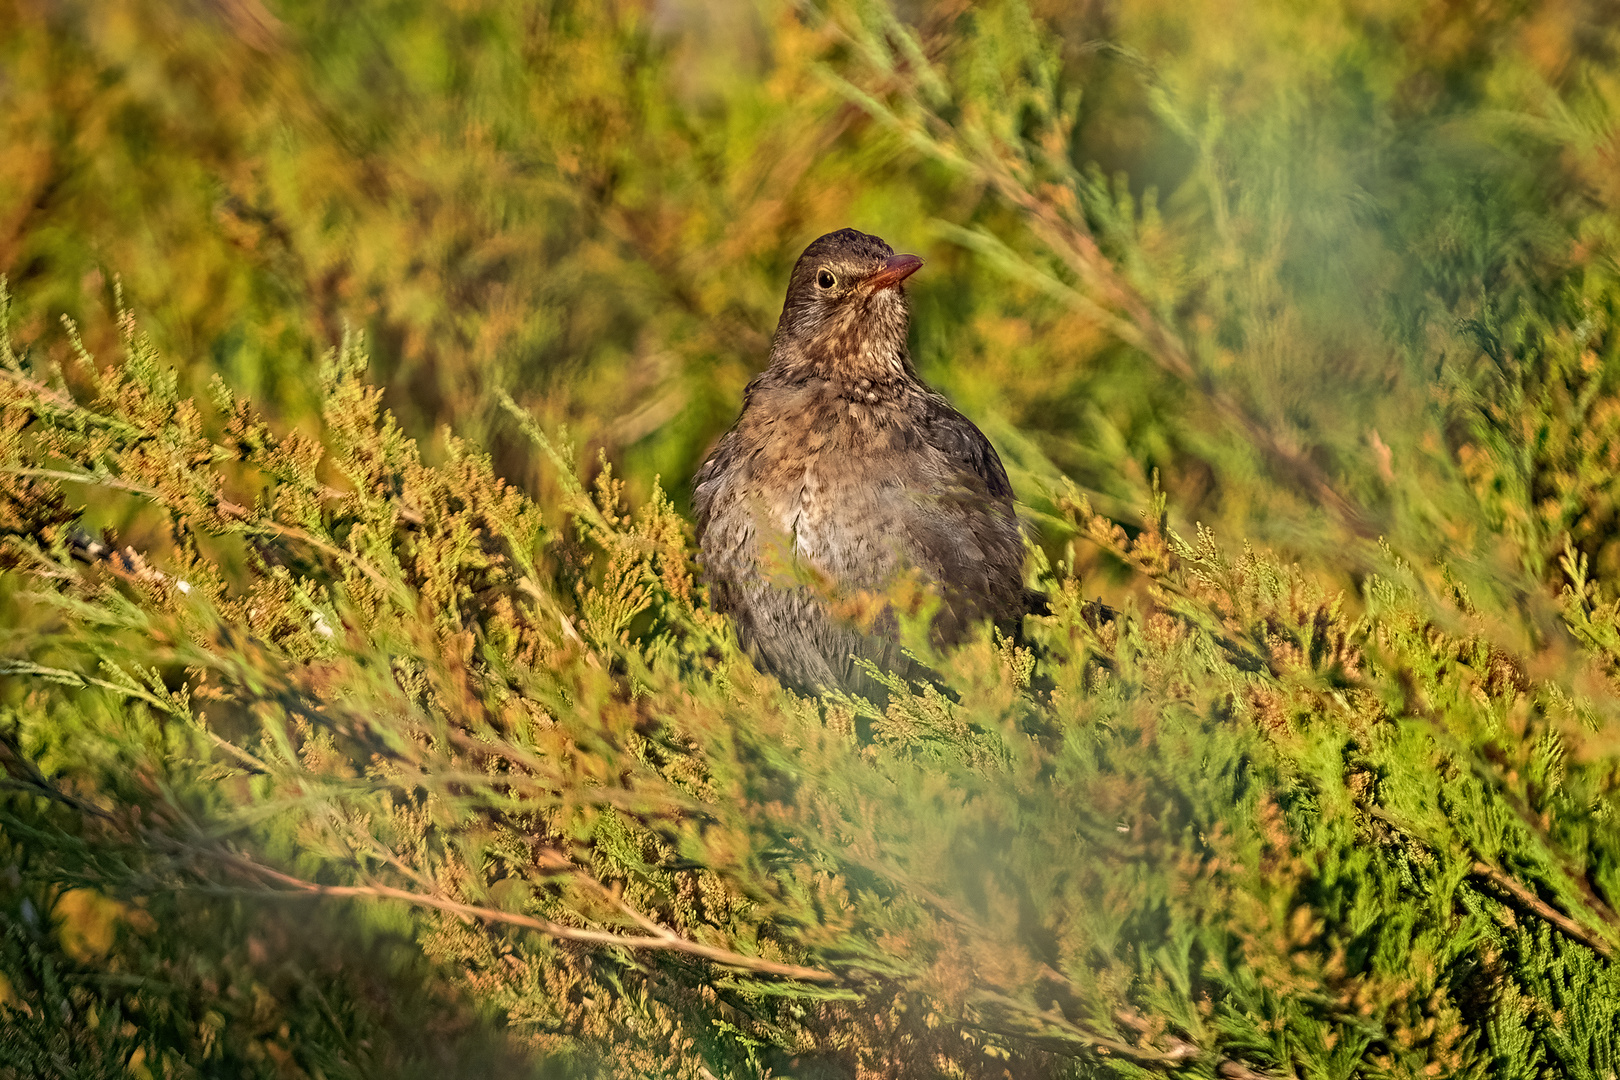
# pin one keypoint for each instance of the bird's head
(846, 309)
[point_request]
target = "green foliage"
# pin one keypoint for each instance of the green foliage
(339, 754)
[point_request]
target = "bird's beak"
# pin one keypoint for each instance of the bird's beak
(894, 271)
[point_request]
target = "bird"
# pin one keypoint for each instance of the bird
(845, 473)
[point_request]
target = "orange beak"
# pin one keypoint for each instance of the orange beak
(894, 271)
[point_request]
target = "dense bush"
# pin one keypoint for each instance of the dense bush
(328, 751)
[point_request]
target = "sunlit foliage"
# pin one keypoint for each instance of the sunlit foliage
(356, 720)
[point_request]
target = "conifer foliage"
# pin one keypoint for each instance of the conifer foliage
(345, 756)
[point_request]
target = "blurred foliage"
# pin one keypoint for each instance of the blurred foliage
(350, 727)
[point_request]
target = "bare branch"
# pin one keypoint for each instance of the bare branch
(1523, 898)
(665, 941)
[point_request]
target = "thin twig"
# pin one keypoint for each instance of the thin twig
(1065, 1037)
(665, 941)
(1524, 898)
(73, 678)
(39, 389)
(1517, 891)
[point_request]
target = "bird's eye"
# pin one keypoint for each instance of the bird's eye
(826, 280)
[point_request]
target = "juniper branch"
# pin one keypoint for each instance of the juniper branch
(665, 941)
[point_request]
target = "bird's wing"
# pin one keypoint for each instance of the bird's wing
(964, 532)
(966, 447)
(711, 478)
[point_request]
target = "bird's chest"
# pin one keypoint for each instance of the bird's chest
(838, 484)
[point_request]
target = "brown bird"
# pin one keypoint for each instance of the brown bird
(845, 472)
